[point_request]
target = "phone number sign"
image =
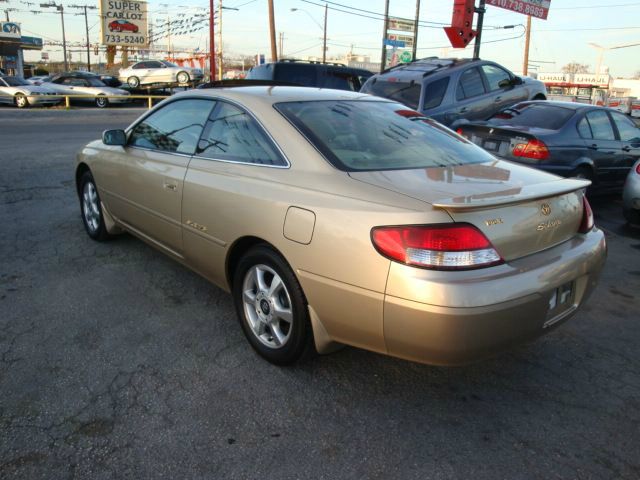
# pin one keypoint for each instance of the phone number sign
(124, 22)
(534, 8)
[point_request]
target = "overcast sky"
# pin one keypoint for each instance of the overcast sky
(562, 38)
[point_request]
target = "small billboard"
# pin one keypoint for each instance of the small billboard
(124, 23)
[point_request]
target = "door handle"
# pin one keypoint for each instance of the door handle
(498, 99)
(626, 148)
(170, 186)
(463, 109)
(593, 146)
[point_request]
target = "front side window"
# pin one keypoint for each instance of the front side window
(470, 84)
(434, 93)
(600, 125)
(174, 128)
(497, 77)
(376, 135)
(232, 134)
(627, 130)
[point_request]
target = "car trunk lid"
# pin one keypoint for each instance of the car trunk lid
(520, 210)
(501, 140)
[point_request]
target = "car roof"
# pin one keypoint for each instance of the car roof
(569, 105)
(269, 95)
(333, 66)
(426, 66)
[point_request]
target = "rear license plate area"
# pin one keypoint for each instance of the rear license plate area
(562, 300)
(490, 145)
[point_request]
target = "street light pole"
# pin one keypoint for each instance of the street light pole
(60, 8)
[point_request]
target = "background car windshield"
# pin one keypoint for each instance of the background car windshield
(95, 82)
(366, 135)
(168, 64)
(15, 81)
(539, 115)
(407, 93)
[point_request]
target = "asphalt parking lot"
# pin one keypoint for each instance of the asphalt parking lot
(116, 362)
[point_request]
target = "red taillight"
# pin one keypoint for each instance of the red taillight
(460, 131)
(534, 148)
(587, 217)
(638, 169)
(441, 247)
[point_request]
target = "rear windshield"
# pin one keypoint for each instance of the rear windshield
(407, 93)
(365, 135)
(542, 115)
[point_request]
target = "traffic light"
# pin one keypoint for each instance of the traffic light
(461, 31)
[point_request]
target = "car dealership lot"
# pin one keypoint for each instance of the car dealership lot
(117, 362)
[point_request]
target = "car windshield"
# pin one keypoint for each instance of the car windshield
(542, 115)
(370, 135)
(168, 64)
(15, 81)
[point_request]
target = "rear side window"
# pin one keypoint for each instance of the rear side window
(232, 134)
(302, 74)
(470, 84)
(339, 80)
(584, 129)
(376, 135)
(261, 72)
(600, 125)
(403, 92)
(541, 115)
(434, 93)
(174, 128)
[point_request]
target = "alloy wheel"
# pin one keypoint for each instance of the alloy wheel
(90, 207)
(267, 306)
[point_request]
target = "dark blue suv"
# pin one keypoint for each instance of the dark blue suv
(449, 89)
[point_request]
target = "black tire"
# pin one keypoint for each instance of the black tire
(182, 78)
(587, 174)
(133, 82)
(21, 101)
(102, 101)
(91, 209)
(299, 335)
(539, 97)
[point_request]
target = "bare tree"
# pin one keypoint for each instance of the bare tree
(575, 67)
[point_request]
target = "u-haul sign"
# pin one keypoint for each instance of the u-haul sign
(124, 22)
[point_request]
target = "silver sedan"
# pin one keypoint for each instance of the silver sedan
(19, 92)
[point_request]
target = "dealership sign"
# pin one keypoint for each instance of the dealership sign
(534, 8)
(124, 23)
(575, 79)
(10, 30)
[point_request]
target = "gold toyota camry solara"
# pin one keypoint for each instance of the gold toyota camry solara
(340, 218)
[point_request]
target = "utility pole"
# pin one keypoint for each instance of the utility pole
(527, 40)
(414, 50)
(86, 25)
(281, 44)
(272, 33)
(212, 46)
(383, 57)
(324, 37)
(219, 39)
(480, 10)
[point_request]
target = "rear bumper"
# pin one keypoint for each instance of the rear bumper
(458, 319)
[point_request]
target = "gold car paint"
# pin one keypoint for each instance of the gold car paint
(343, 277)
(298, 225)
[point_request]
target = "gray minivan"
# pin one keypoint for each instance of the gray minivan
(449, 89)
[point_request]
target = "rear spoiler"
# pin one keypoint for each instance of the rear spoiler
(513, 195)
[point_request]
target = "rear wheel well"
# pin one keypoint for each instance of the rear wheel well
(80, 170)
(238, 249)
(540, 96)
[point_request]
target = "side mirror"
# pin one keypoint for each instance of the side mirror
(114, 137)
(517, 81)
